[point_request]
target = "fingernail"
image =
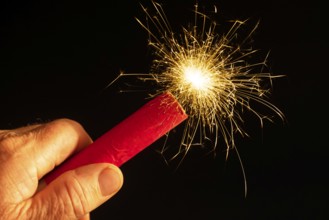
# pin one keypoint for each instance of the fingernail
(110, 181)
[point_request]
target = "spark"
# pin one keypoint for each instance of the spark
(209, 76)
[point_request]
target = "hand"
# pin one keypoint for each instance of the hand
(28, 153)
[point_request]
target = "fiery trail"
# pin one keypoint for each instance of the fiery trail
(208, 75)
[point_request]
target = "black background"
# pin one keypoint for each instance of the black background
(56, 58)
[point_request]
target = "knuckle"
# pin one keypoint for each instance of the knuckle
(77, 197)
(13, 138)
(8, 139)
(9, 142)
(65, 126)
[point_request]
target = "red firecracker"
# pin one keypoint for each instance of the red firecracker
(129, 137)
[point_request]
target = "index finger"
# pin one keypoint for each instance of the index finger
(54, 142)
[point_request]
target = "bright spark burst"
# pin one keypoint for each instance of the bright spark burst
(208, 75)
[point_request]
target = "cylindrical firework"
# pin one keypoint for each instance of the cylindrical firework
(129, 137)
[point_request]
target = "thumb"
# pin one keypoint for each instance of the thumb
(77, 192)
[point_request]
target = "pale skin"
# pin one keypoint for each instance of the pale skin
(28, 153)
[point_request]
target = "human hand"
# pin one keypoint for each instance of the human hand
(29, 153)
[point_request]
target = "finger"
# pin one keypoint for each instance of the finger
(56, 141)
(45, 145)
(77, 192)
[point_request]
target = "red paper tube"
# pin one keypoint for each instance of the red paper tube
(129, 137)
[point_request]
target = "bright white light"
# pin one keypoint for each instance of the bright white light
(196, 78)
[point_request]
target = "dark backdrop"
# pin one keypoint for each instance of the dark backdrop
(56, 58)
